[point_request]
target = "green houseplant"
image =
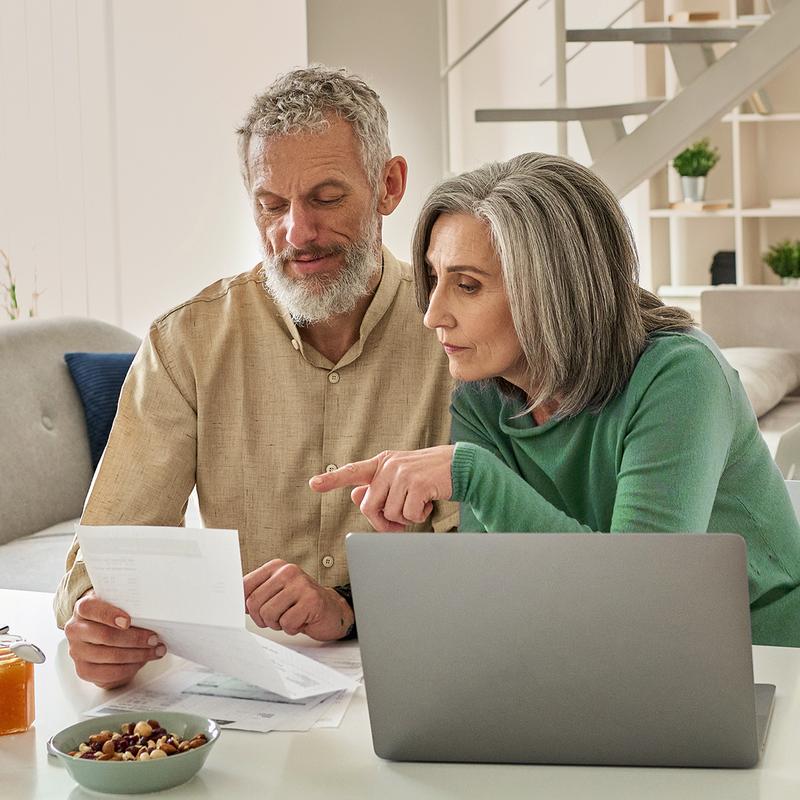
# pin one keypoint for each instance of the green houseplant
(693, 165)
(8, 292)
(783, 259)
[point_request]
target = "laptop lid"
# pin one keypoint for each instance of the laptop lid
(557, 648)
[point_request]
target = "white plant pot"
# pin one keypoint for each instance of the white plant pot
(694, 189)
(791, 282)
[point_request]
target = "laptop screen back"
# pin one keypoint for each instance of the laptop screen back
(556, 648)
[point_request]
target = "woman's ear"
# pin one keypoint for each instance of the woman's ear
(393, 185)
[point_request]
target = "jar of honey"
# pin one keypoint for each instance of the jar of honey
(17, 704)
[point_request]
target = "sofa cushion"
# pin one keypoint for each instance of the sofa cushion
(768, 374)
(98, 378)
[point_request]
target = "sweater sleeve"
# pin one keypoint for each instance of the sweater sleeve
(466, 429)
(500, 499)
(493, 496)
(674, 449)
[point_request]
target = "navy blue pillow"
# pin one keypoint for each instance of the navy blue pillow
(98, 378)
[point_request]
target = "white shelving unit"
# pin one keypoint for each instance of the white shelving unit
(760, 160)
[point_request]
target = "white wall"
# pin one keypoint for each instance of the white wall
(56, 172)
(119, 182)
(395, 48)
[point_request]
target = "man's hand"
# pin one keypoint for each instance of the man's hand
(106, 650)
(283, 597)
(394, 489)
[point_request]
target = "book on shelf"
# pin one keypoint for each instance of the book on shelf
(783, 203)
(700, 205)
(681, 17)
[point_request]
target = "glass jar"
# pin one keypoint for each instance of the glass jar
(17, 704)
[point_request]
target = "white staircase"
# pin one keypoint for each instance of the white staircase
(711, 88)
(602, 125)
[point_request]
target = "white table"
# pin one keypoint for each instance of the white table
(340, 763)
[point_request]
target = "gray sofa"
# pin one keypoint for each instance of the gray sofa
(45, 467)
(762, 324)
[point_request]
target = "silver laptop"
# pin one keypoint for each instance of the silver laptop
(559, 648)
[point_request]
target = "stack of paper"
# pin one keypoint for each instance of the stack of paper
(186, 585)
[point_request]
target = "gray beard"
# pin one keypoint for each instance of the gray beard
(317, 298)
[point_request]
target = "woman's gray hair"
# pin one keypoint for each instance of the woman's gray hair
(570, 270)
(303, 100)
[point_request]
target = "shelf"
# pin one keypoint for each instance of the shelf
(771, 212)
(783, 116)
(756, 213)
(758, 163)
(677, 212)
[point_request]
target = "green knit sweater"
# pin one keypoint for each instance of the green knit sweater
(677, 450)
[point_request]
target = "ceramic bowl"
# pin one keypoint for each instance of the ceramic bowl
(134, 777)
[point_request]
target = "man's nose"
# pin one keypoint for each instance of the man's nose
(301, 227)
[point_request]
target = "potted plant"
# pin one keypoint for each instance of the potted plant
(783, 259)
(693, 164)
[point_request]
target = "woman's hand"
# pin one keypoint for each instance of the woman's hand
(394, 489)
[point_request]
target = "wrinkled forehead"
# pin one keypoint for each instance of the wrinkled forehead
(305, 158)
(458, 238)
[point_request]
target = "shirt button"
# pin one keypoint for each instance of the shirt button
(295, 344)
(331, 468)
(333, 377)
(327, 561)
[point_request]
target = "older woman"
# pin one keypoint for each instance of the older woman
(586, 404)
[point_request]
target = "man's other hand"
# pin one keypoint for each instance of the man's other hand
(283, 597)
(106, 649)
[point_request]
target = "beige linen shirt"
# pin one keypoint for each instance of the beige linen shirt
(224, 394)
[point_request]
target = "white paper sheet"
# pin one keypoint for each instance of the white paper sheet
(186, 585)
(232, 703)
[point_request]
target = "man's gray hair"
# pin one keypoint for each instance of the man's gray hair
(303, 101)
(570, 271)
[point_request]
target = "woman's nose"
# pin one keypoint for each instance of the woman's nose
(437, 315)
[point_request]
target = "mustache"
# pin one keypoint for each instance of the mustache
(313, 251)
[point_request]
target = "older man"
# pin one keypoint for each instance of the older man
(314, 358)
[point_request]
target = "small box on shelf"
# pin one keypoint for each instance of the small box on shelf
(785, 203)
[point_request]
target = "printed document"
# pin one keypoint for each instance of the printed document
(235, 704)
(186, 585)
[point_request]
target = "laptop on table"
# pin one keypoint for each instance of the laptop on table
(629, 649)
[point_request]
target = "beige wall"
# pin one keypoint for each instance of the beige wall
(395, 48)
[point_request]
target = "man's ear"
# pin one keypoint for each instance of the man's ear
(393, 185)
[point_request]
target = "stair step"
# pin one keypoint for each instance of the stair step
(567, 113)
(720, 87)
(662, 34)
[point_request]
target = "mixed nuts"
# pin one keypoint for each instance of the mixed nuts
(145, 740)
